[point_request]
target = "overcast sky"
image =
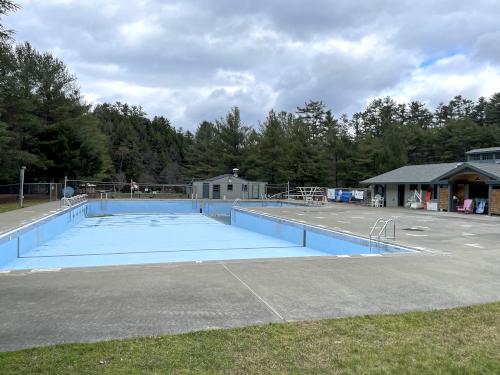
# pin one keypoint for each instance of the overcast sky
(192, 60)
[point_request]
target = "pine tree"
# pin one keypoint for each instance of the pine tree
(6, 6)
(272, 147)
(492, 110)
(313, 115)
(204, 152)
(232, 134)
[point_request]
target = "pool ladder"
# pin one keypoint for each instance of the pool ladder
(381, 225)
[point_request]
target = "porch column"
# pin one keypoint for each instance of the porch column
(490, 196)
(450, 196)
(385, 195)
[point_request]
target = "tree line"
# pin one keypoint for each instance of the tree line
(46, 125)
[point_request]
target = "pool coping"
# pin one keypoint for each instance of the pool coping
(7, 236)
(104, 268)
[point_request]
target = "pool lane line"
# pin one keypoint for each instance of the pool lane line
(161, 251)
(272, 309)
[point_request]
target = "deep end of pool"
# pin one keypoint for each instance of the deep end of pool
(123, 232)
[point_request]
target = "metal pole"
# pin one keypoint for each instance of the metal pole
(21, 186)
(288, 190)
(131, 181)
(65, 183)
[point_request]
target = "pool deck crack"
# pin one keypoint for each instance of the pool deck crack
(267, 304)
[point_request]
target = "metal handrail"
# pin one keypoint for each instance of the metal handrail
(235, 203)
(375, 225)
(383, 230)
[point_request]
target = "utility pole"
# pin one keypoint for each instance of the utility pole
(21, 186)
(65, 183)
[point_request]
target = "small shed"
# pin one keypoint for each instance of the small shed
(228, 186)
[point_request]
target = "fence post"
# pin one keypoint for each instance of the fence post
(21, 186)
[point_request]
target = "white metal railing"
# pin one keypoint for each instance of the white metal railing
(308, 194)
(415, 201)
(382, 231)
(69, 202)
(235, 203)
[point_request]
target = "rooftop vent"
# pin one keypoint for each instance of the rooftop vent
(235, 172)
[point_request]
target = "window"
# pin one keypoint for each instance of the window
(244, 187)
(474, 157)
(230, 187)
(497, 156)
(486, 156)
(216, 188)
(413, 187)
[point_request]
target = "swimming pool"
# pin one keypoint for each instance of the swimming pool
(124, 232)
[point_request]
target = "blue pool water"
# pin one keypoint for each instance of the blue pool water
(121, 233)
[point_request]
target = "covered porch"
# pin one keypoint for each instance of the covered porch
(470, 190)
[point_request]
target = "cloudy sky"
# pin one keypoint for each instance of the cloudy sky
(192, 60)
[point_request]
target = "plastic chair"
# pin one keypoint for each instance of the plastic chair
(466, 208)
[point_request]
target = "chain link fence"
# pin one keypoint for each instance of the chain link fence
(51, 191)
(123, 190)
(33, 191)
(278, 191)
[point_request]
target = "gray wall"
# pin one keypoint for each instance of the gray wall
(255, 189)
(391, 195)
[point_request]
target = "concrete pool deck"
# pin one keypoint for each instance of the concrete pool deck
(90, 304)
(16, 218)
(425, 230)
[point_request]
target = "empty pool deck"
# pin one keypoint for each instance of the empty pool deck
(95, 303)
(425, 230)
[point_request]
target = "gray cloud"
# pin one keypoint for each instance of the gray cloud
(192, 60)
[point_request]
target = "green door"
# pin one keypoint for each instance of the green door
(216, 191)
(206, 190)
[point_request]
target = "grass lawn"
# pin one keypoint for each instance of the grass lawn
(9, 206)
(456, 341)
